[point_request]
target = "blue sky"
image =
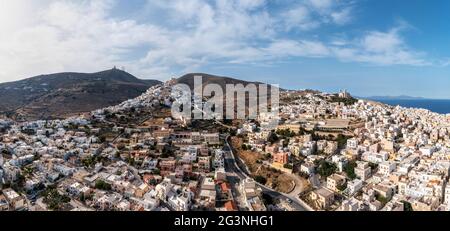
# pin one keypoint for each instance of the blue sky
(369, 47)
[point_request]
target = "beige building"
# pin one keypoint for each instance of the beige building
(362, 170)
(323, 197)
(384, 190)
(331, 147)
(15, 201)
(334, 181)
(293, 127)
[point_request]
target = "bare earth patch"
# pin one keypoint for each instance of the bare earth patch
(275, 178)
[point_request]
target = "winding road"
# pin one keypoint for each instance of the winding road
(231, 162)
(233, 166)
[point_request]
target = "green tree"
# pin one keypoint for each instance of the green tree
(381, 199)
(260, 179)
(244, 147)
(102, 185)
(349, 169)
(156, 171)
(373, 166)
(102, 138)
(326, 168)
(407, 207)
(272, 138)
(342, 187)
(53, 199)
(166, 151)
(130, 161)
(152, 182)
(288, 166)
(285, 132)
(342, 140)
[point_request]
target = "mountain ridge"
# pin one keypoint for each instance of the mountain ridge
(211, 79)
(222, 81)
(64, 94)
(399, 97)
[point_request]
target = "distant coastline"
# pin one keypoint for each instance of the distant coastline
(441, 106)
(400, 97)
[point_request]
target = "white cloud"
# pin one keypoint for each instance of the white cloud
(381, 48)
(69, 36)
(300, 17)
(322, 4)
(49, 36)
(251, 4)
(376, 41)
(343, 16)
(311, 14)
(285, 48)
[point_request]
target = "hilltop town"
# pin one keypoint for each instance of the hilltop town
(329, 152)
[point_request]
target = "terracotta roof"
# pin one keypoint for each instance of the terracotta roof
(225, 187)
(230, 206)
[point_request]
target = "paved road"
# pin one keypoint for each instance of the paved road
(233, 165)
(299, 185)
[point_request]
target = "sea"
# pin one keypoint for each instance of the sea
(441, 106)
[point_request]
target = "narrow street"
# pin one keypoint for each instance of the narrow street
(232, 166)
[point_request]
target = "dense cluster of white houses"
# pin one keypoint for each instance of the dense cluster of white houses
(392, 158)
(154, 166)
(400, 157)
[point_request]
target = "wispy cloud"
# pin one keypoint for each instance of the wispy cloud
(311, 14)
(343, 16)
(71, 36)
(381, 48)
(86, 36)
